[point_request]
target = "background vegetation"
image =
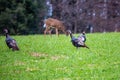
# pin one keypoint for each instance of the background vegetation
(89, 15)
(21, 16)
(27, 16)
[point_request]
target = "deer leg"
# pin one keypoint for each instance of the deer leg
(46, 30)
(57, 32)
(50, 32)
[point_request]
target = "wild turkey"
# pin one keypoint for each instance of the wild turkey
(11, 43)
(78, 42)
(82, 37)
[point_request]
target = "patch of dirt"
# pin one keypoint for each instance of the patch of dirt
(34, 54)
(59, 57)
(43, 55)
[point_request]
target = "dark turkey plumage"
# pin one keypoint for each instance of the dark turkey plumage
(78, 42)
(11, 43)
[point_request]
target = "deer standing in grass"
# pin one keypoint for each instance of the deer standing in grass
(54, 23)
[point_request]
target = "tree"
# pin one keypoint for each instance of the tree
(94, 15)
(21, 16)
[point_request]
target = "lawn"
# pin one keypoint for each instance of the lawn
(55, 58)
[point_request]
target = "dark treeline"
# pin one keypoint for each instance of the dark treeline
(88, 15)
(21, 16)
(27, 16)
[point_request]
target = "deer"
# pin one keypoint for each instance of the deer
(51, 23)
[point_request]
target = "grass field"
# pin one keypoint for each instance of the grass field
(54, 58)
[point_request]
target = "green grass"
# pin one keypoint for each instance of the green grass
(54, 58)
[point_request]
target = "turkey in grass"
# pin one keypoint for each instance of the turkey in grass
(11, 43)
(78, 42)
